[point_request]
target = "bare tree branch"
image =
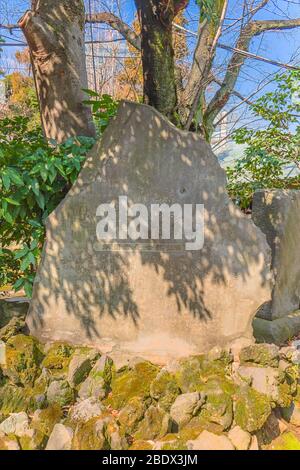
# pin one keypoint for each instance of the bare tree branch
(117, 24)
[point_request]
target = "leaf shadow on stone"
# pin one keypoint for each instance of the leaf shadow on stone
(144, 157)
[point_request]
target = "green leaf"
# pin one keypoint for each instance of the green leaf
(11, 201)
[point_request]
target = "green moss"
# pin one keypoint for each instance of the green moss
(13, 399)
(141, 445)
(154, 425)
(37, 442)
(261, 354)
(252, 409)
(287, 441)
(58, 358)
(164, 389)
(23, 358)
(90, 436)
(131, 383)
(45, 420)
(131, 415)
(176, 444)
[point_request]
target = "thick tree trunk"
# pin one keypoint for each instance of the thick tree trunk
(55, 34)
(156, 19)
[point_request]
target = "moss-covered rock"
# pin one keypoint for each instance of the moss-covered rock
(252, 409)
(262, 354)
(24, 355)
(131, 415)
(8, 443)
(287, 441)
(37, 441)
(128, 384)
(60, 392)
(141, 445)
(164, 389)
(13, 399)
(90, 435)
(97, 384)
(195, 371)
(43, 421)
(80, 365)
(12, 308)
(155, 424)
(58, 358)
(13, 328)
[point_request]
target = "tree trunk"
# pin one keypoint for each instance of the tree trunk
(55, 34)
(156, 19)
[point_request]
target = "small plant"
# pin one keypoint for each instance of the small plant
(104, 108)
(272, 156)
(34, 177)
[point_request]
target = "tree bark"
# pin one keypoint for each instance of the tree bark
(55, 34)
(156, 18)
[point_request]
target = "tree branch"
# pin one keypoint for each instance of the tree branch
(118, 25)
(237, 60)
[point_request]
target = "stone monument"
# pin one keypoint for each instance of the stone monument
(151, 297)
(277, 214)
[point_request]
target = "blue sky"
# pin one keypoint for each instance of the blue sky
(281, 46)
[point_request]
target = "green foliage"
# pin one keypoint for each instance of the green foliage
(34, 177)
(104, 108)
(209, 9)
(272, 149)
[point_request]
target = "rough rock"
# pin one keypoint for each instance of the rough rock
(218, 406)
(131, 415)
(185, 407)
(252, 409)
(277, 214)
(240, 439)
(17, 424)
(43, 421)
(80, 366)
(254, 444)
(262, 354)
(135, 382)
(272, 428)
(155, 424)
(10, 308)
(263, 379)
(60, 438)
(292, 414)
(90, 435)
(164, 389)
(155, 299)
(23, 358)
(8, 443)
(99, 379)
(57, 359)
(209, 441)
(16, 325)
(85, 410)
(60, 392)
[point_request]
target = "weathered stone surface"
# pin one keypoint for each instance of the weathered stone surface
(10, 308)
(252, 409)
(85, 410)
(23, 358)
(263, 379)
(292, 414)
(277, 331)
(164, 389)
(240, 439)
(185, 407)
(80, 366)
(14, 326)
(155, 424)
(17, 424)
(277, 214)
(43, 421)
(60, 392)
(210, 441)
(159, 302)
(131, 415)
(60, 438)
(262, 354)
(58, 357)
(99, 379)
(91, 435)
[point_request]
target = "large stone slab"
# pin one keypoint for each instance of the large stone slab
(277, 214)
(153, 299)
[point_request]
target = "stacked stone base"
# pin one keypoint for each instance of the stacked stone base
(60, 397)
